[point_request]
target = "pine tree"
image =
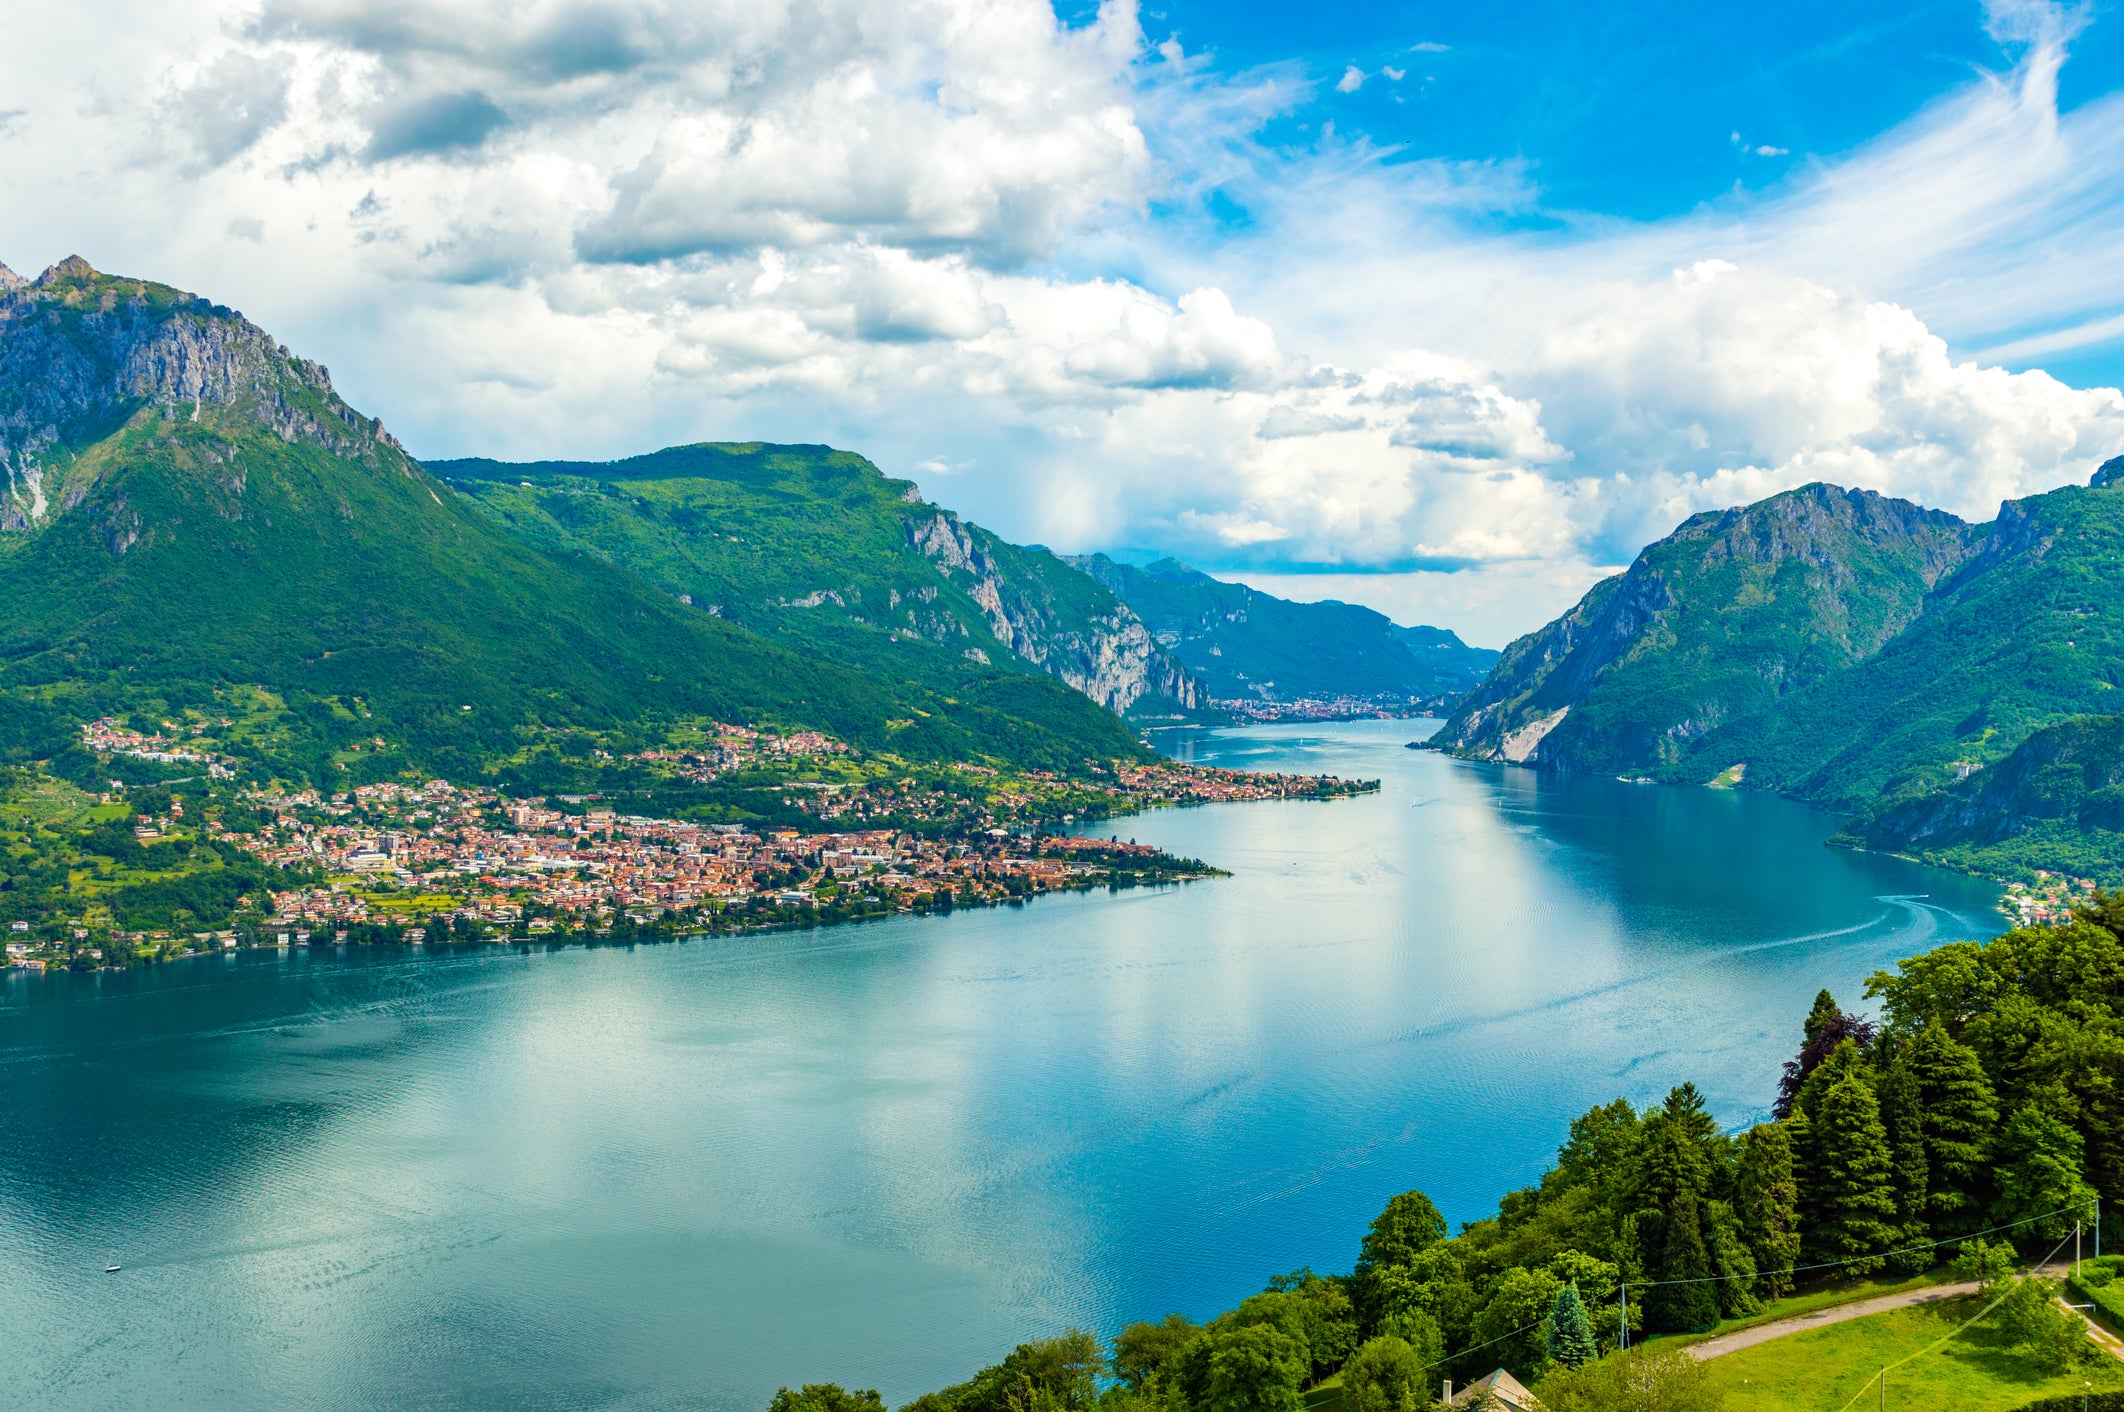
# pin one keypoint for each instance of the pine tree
(1732, 1260)
(1679, 1150)
(1903, 1115)
(1960, 1118)
(1826, 1012)
(1570, 1330)
(1850, 1175)
(1687, 1301)
(1766, 1199)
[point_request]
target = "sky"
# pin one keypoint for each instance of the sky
(1445, 309)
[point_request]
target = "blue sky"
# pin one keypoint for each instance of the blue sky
(1445, 309)
(1626, 111)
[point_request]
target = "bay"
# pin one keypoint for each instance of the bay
(681, 1176)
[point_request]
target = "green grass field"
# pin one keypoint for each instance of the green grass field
(1822, 1370)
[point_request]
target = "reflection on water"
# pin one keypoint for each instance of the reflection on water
(681, 1176)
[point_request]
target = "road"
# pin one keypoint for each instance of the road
(1820, 1318)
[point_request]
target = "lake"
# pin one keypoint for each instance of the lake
(680, 1176)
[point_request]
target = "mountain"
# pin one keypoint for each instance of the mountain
(191, 509)
(1839, 646)
(1250, 647)
(820, 550)
(2056, 802)
(1712, 626)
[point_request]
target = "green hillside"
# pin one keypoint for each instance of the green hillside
(1247, 645)
(191, 508)
(1712, 627)
(2055, 803)
(819, 549)
(1849, 649)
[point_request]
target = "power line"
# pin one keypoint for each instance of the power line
(1859, 1259)
(1955, 1333)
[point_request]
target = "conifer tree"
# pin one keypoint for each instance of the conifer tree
(1826, 1012)
(1687, 1300)
(1766, 1199)
(1850, 1176)
(1731, 1260)
(1902, 1114)
(1960, 1118)
(1570, 1330)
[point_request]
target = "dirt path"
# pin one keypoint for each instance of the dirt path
(1821, 1318)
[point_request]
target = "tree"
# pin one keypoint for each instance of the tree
(1731, 1260)
(2035, 1323)
(2039, 1179)
(1254, 1368)
(826, 1397)
(1570, 1331)
(1143, 1350)
(1850, 1176)
(1685, 1297)
(1989, 1264)
(1409, 1225)
(1766, 1199)
(1330, 1318)
(1386, 1375)
(1826, 1030)
(1419, 1331)
(1903, 1116)
(1960, 1115)
(1637, 1381)
(1511, 1319)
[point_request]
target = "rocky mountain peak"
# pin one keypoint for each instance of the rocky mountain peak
(81, 352)
(72, 267)
(10, 280)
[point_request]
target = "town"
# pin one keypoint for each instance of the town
(830, 836)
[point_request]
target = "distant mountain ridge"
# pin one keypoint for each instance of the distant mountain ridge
(818, 547)
(1251, 647)
(1841, 646)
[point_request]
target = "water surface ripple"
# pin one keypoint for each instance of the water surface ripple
(679, 1176)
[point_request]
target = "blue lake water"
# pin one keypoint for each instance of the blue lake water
(680, 1176)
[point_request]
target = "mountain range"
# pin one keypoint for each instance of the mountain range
(1253, 649)
(1927, 677)
(191, 509)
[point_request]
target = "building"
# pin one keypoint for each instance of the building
(1500, 1389)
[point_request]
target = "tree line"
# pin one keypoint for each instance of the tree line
(1981, 1113)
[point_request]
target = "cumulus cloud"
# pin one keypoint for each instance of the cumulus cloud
(968, 238)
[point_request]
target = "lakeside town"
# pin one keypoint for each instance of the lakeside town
(435, 861)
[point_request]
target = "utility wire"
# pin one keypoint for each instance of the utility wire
(1955, 1333)
(1794, 1270)
(1857, 1259)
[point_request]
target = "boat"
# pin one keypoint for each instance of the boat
(111, 1269)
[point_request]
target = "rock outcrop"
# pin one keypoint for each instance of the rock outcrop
(81, 353)
(1053, 616)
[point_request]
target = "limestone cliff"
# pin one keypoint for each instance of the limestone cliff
(1059, 619)
(81, 354)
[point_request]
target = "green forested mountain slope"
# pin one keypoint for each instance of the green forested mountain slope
(1846, 648)
(1247, 645)
(2056, 802)
(189, 506)
(1713, 625)
(818, 548)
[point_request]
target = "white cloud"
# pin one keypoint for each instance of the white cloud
(968, 239)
